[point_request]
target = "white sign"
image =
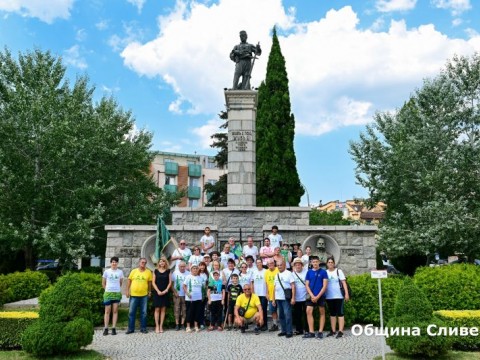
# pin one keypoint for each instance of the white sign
(379, 274)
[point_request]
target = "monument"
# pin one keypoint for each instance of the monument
(352, 246)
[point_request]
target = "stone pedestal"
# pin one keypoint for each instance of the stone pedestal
(242, 112)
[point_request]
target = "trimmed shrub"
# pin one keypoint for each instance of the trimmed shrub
(92, 270)
(51, 274)
(452, 287)
(13, 324)
(65, 320)
(92, 284)
(364, 308)
(65, 301)
(22, 285)
(412, 309)
(462, 318)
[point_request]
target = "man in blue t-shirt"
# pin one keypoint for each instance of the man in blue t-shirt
(316, 283)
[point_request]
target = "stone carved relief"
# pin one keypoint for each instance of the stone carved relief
(323, 246)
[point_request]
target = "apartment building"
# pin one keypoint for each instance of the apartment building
(356, 210)
(174, 171)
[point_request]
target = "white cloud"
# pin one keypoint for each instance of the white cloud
(102, 25)
(205, 131)
(455, 6)
(170, 147)
(72, 57)
(81, 35)
(132, 33)
(457, 22)
(47, 11)
(110, 90)
(339, 73)
(395, 5)
(138, 3)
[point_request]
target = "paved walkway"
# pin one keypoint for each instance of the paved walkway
(233, 345)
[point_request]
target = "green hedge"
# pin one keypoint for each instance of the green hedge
(13, 324)
(22, 285)
(462, 318)
(451, 287)
(364, 307)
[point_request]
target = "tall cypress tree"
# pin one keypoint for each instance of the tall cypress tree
(278, 183)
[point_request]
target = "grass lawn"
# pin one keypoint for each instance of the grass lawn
(452, 355)
(22, 355)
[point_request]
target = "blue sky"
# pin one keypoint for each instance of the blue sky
(167, 61)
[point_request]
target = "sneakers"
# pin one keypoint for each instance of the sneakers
(281, 334)
(274, 327)
(256, 331)
(288, 336)
(144, 331)
(308, 335)
(114, 332)
(242, 329)
(264, 328)
(202, 327)
(339, 335)
(331, 333)
(319, 335)
(129, 332)
(105, 331)
(177, 327)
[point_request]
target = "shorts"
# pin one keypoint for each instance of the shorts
(231, 307)
(110, 298)
(271, 308)
(320, 302)
(335, 307)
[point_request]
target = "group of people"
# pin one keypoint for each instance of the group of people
(232, 289)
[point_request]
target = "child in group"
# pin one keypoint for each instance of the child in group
(233, 290)
(216, 298)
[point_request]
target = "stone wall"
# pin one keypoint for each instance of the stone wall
(352, 246)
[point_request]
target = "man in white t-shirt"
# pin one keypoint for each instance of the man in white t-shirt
(284, 281)
(112, 281)
(299, 309)
(179, 306)
(260, 289)
(275, 238)
(207, 242)
(250, 249)
(182, 253)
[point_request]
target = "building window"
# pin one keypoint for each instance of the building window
(212, 181)
(211, 163)
(193, 202)
(170, 180)
(194, 181)
(168, 160)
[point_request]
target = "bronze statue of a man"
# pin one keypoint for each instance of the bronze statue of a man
(242, 55)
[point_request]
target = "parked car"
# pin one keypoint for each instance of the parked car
(55, 265)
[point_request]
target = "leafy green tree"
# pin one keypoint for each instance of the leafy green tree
(278, 183)
(423, 161)
(319, 217)
(67, 165)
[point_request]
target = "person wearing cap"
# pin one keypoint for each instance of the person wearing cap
(208, 262)
(275, 238)
(316, 283)
(250, 249)
(252, 307)
(181, 253)
(299, 309)
(216, 300)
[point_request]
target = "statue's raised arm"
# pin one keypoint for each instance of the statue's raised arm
(242, 54)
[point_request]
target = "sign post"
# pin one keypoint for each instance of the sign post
(380, 274)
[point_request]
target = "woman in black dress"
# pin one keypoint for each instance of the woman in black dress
(161, 284)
